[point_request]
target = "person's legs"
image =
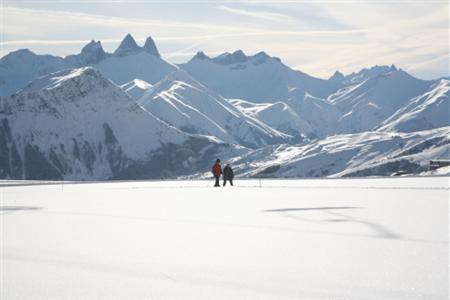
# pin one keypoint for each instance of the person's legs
(224, 182)
(231, 182)
(217, 181)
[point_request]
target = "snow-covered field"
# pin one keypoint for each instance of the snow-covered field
(274, 239)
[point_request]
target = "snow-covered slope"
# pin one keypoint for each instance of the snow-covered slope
(185, 103)
(361, 154)
(256, 78)
(321, 115)
(278, 115)
(19, 67)
(427, 111)
(366, 105)
(136, 88)
(77, 124)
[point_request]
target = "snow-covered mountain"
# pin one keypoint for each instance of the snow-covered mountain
(19, 67)
(300, 115)
(427, 111)
(362, 75)
(278, 115)
(321, 115)
(360, 154)
(131, 61)
(76, 124)
(136, 88)
(185, 103)
(367, 104)
(128, 62)
(256, 78)
(131, 114)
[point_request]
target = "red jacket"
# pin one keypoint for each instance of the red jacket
(217, 169)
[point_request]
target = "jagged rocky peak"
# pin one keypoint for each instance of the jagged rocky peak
(227, 58)
(371, 72)
(92, 53)
(150, 47)
(127, 46)
(93, 47)
(261, 57)
(261, 54)
(337, 76)
(238, 56)
(200, 55)
(382, 68)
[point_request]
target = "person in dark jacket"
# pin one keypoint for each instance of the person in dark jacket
(217, 171)
(228, 174)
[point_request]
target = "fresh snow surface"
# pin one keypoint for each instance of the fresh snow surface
(136, 88)
(274, 239)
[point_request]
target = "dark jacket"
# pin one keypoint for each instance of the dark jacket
(228, 173)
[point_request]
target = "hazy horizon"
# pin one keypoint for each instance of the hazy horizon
(315, 37)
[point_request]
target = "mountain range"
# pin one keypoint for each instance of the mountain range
(131, 114)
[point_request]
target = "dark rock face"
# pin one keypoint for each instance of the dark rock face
(38, 167)
(169, 161)
(172, 160)
(10, 160)
(150, 47)
(91, 54)
(127, 46)
(402, 165)
(114, 154)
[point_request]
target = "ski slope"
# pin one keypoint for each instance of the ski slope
(269, 239)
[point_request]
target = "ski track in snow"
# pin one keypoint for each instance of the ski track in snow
(379, 238)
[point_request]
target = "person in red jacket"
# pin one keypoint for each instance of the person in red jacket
(217, 171)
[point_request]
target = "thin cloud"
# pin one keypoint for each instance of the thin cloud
(415, 38)
(265, 15)
(106, 20)
(51, 42)
(194, 37)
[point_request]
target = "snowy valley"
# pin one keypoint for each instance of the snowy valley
(131, 114)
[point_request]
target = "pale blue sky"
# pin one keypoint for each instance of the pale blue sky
(317, 37)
